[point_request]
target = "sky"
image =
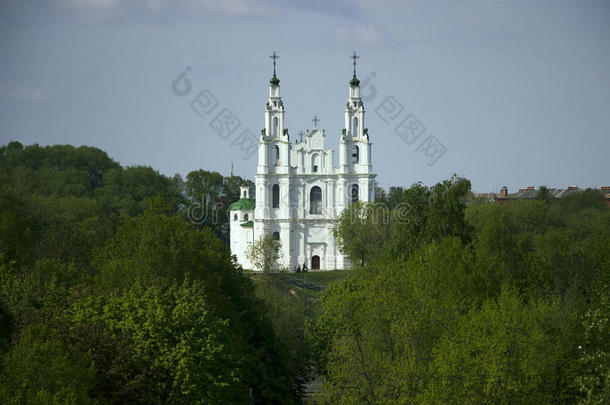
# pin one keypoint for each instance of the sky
(513, 93)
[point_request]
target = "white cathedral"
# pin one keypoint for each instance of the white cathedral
(299, 191)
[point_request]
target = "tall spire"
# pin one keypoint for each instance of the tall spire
(354, 82)
(274, 80)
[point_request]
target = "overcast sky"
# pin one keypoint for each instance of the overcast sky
(516, 93)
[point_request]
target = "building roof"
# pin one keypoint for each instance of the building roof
(530, 193)
(248, 224)
(243, 204)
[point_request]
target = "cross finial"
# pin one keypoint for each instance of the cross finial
(315, 121)
(354, 57)
(301, 133)
(274, 57)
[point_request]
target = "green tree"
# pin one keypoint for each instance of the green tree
(361, 231)
(133, 188)
(265, 254)
(503, 353)
(209, 196)
(40, 369)
(193, 353)
(594, 359)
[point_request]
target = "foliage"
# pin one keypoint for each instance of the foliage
(40, 369)
(109, 294)
(190, 351)
(265, 254)
(367, 232)
(209, 195)
(112, 292)
(485, 304)
(594, 382)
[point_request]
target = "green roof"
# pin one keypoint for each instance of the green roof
(244, 204)
(248, 224)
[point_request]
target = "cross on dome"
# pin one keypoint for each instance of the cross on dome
(354, 57)
(274, 80)
(354, 82)
(275, 56)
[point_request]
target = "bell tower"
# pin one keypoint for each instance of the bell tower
(274, 143)
(355, 148)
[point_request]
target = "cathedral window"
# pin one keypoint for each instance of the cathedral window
(355, 154)
(276, 155)
(275, 197)
(245, 217)
(355, 192)
(276, 126)
(355, 127)
(234, 217)
(315, 200)
(276, 236)
(314, 163)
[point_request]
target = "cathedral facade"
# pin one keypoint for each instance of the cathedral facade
(299, 190)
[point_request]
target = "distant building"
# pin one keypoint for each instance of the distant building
(299, 191)
(530, 193)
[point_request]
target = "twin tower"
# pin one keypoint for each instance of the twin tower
(299, 191)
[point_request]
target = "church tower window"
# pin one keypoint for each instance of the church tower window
(276, 155)
(234, 217)
(245, 217)
(315, 163)
(275, 196)
(315, 200)
(276, 236)
(355, 127)
(355, 192)
(276, 126)
(355, 154)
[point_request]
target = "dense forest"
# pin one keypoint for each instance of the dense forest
(110, 294)
(477, 304)
(117, 286)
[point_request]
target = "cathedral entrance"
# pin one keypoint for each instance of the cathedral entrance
(315, 262)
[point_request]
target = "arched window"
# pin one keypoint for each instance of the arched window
(276, 155)
(275, 196)
(245, 217)
(315, 162)
(355, 193)
(276, 126)
(244, 196)
(234, 217)
(355, 154)
(276, 236)
(275, 103)
(355, 127)
(315, 200)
